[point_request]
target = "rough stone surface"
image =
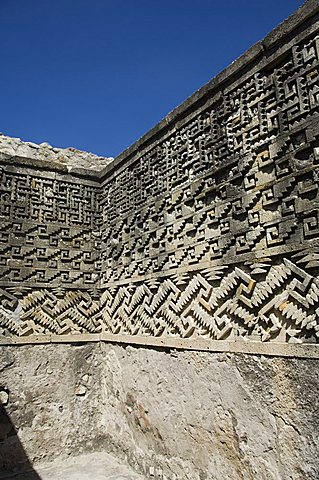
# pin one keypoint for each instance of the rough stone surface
(170, 415)
(96, 466)
(70, 157)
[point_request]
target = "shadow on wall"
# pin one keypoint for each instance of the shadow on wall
(13, 458)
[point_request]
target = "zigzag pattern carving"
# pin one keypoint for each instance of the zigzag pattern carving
(214, 303)
(283, 306)
(43, 311)
(166, 242)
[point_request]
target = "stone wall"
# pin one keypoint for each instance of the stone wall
(166, 307)
(71, 157)
(204, 229)
(49, 249)
(173, 415)
(210, 222)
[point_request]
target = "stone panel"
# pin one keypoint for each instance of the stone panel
(210, 229)
(49, 247)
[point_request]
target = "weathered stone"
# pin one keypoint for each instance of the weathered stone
(4, 397)
(80, 390)
(72, 157)
(202, 236)
(196, 415)
(167, 240)
(96, 466)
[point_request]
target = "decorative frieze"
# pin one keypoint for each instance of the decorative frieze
(208, 229)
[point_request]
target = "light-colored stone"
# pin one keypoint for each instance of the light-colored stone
(80, 390)
(96, 466)
(4, 397)
(192, 415)
(71, 157)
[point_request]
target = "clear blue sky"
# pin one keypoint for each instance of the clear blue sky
(97, 74)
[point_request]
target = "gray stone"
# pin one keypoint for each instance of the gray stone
(4, 397)
(69, 156)
(201, 238)
(165, 241)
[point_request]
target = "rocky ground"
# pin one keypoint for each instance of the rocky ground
(96, 466)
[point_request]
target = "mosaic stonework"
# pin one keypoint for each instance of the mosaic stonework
(208, 230)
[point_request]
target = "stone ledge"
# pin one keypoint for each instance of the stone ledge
(297, 350)
(46, 168)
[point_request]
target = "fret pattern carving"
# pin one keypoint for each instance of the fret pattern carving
(210, 230)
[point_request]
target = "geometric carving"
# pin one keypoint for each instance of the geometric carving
(209, 229)
(213, 303)
(46, 234)
(283, 306)
(54, 311)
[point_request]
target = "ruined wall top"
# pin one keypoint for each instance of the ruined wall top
(65, 157)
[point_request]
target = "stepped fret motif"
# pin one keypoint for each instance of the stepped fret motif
(208, 230)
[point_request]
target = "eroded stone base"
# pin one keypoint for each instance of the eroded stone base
(169, 414)
(94, 466)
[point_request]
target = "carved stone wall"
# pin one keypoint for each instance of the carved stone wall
(206, 228)
(49, 248)
(210, 228)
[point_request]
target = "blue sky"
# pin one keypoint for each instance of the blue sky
(97, 74)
